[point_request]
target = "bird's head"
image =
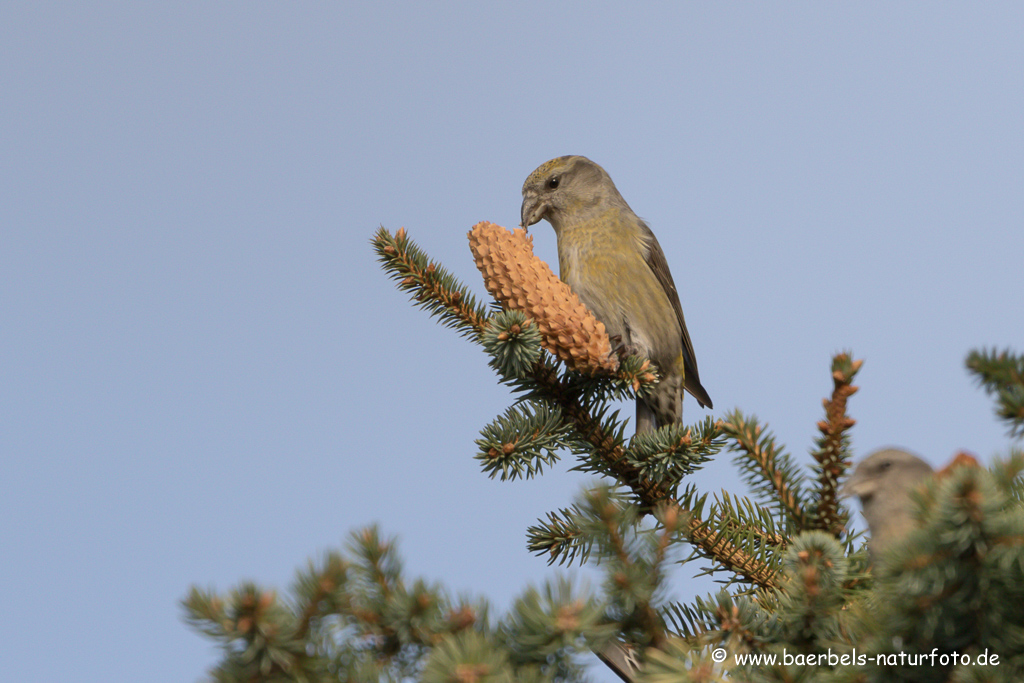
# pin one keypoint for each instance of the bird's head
(563, 189)
(887, 472)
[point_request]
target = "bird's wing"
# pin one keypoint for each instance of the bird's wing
(659, 266)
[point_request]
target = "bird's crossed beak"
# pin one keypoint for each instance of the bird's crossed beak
(851, 487)
(532, 210)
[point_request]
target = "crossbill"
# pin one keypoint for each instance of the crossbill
(613, 262)
(883, 482)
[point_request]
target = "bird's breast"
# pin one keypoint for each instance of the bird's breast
(608, 272)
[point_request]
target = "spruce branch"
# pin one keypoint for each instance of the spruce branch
(321, 591)
(636, 376)
(544, 624)
(742, 621)
(674, 451)
(602, 438)
(766, 468)
(699, 622)
(432, 287)
(681, 662)
(513, 342)
(519, 443)
(712, 538)
(380, 567)
(687, 621)
(606, 447)
(1002, 373)
(1008, 475)
(470, 656)
(560, 537)
(256, 631)
(832, 454)
(353, 619)
(634, 560)
(811, 595)
(752, 527)
(705, 536)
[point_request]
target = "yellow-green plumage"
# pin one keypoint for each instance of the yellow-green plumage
(612, 260)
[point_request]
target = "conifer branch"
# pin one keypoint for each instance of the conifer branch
(714, 543)
(512, 340)
(519, 443)
(766, 468)
(674, 451)
(432, 287)
(701, 534)
(1002, 373)
(741, 516)
(560, 537)
(256, 631)
(322, 591)
(832, 455)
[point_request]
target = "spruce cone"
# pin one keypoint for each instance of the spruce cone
(521, 281)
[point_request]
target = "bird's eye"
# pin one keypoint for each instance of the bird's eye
(553, 183)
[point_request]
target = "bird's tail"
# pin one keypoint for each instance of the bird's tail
(693, 385)
(663, 406)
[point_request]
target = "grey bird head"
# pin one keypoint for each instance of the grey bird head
(883, 482)
(564, 189)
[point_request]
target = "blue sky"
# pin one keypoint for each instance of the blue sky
(206, 376)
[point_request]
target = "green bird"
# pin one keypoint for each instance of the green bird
(613, 262)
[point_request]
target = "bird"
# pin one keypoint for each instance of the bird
(883, 482)
(613, 262)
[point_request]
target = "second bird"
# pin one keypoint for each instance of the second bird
(613, 262)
